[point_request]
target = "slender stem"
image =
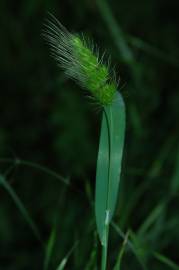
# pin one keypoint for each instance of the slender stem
(105, 249)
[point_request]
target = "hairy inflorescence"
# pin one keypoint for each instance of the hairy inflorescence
(80, 62)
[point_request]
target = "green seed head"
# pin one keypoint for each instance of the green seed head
(80, 62)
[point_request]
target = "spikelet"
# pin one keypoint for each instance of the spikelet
(79, 61)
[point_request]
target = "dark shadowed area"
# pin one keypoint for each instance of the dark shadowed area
(49, 134)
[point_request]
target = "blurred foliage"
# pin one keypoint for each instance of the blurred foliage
(47, 119)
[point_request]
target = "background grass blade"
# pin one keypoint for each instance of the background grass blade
(92, 263)
(49, 248)
(21, 207)
(175, 177)
(130, 245)
(121, 253)
(166, 261)
(64, 261)
(152, 218)
(109, 163)
(115, 31)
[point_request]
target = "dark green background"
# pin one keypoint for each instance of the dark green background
(46, 118)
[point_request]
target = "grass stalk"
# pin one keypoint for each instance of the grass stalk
(81, 63)
(105, 249)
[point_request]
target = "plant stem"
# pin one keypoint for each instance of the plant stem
(105, 249)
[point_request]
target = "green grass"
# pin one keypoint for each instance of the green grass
(48, 119)
(80, 62)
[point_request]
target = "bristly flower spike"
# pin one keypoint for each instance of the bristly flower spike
(80, 62)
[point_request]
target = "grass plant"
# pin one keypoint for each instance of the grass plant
(82, 63)
(50, 216)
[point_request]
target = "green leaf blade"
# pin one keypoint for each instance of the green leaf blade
(109, 163)
(102, 178)
(116, 117)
